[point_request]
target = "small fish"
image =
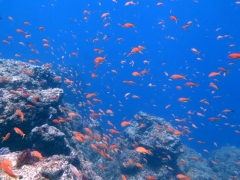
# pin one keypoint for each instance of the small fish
(183, 177)
(213, 74)
(19, 131)
(177, 76)
(143, 150)
(113, 131)
(8, 170)
(6, 137)
(234, 56)
(75, 172)
(174, 18)
(183, 99)
(20, 113)
(37, 154)
(125, 123)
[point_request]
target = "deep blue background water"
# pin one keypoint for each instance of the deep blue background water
(64, 19)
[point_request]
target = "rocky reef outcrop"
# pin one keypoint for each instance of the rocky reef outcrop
(32, 114)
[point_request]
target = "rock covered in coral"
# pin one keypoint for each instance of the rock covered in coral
(195, 166)
(225, 162)
(55, 167)
(4, 150)
(26, 158)
(51, 137)
(29, 96)
(15, 74)
(156, 134)
(153, 132)
(32, 113)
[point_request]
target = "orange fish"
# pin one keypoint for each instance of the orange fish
(98, 60)
(190, 84)
(179, 88)
(5, 42)
(234, 56)
(186, 25)
(101, 167)
(94, 115)
(97, 137)
(195, 50)
(26, 23)
(8, 163)
(213, 119)
(110, 112)
(110, 123)
(139, 165)
(89, 103)
(68, 81)
(223, 70)
(183, 177)
(183, 99)
(97, 100)
(143, 150)
(37, 154)
(123, 177)
(19, 131)
(74, 54)
(40, 28)
(113, 131)
(227, 111)
(113, 146)
(213, 85)
(128, 25)
(6, 137)
(176, 132)
(212, 74)
(174, 18)
(89, 131)
(20, 113)
(129, 82)
(136, 74)
(79, 138)
(177, 76)
(90, 95)
(56, 121)
(21, 31)
(125, 123)
(94, 75)
(72, 114)
(7, 170)
(135, 97)
(151, 178)
(136, 50)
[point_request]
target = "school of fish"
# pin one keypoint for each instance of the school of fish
(121, 73)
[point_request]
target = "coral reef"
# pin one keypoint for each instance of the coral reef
(195, 166)
(225, 162)
(31, 104)
(4, 150)
(51, 137)
(26, 158)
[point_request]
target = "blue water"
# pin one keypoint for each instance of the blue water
(168, 49)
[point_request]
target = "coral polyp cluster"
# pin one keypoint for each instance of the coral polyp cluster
(26, 158)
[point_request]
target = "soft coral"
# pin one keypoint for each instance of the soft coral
(25, 157)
